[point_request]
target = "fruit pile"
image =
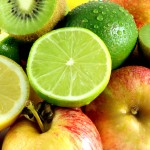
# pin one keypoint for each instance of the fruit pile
(74, 75)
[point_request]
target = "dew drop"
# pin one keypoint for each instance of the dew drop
(96, 26)
(100, 7)
(119, 32)
(99, 18)
(95, 11)
(85, 20)
(115, 35)
(103, 12)
(108, 24)
(114, 12)
(121, 9)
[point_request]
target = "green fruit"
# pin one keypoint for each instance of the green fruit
(111, 22)
(29, 19)
(69, 67)
(144, 41)
(9, 47)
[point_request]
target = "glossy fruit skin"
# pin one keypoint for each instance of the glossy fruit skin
(121, 112)
(113, 24)
(139, 9)
(70, 129)
(9, 47)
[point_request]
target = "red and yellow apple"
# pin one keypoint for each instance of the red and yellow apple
(121, 112)
(140, 9)
(70, 129)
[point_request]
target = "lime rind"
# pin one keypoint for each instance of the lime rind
(76, 73)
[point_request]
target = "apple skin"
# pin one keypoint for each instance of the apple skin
(140, 9)
(121, 112)
(70, 129)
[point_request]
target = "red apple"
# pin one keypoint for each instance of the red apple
(70, 129)
(121, 112)
(140, 9)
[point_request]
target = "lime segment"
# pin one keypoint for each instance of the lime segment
(69, 66)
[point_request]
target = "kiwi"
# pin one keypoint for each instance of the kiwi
(29, 19)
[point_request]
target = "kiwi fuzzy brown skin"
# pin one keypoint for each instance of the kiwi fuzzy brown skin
(58, 14)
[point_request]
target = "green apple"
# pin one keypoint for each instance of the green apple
(70, 129)
(121, 112)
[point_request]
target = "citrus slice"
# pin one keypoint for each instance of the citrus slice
(69, 67)
(144, 41)
(14, 91)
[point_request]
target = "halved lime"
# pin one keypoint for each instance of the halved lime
(69, 66)
(144, 41)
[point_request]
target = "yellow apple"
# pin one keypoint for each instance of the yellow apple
(70, 129)
(121, 113)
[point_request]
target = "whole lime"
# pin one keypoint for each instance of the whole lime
(111, 22)
(9, 47)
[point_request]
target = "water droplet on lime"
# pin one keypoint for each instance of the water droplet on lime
(100, 18)
(85, 20)
(121, 9)
(119, 32)
(95, 11)
(96, 26)
(100, 7)
(114, 11)
(103, 12)
(108, 24)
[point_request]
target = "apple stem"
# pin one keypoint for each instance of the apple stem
(31, 107)
(134, 110)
